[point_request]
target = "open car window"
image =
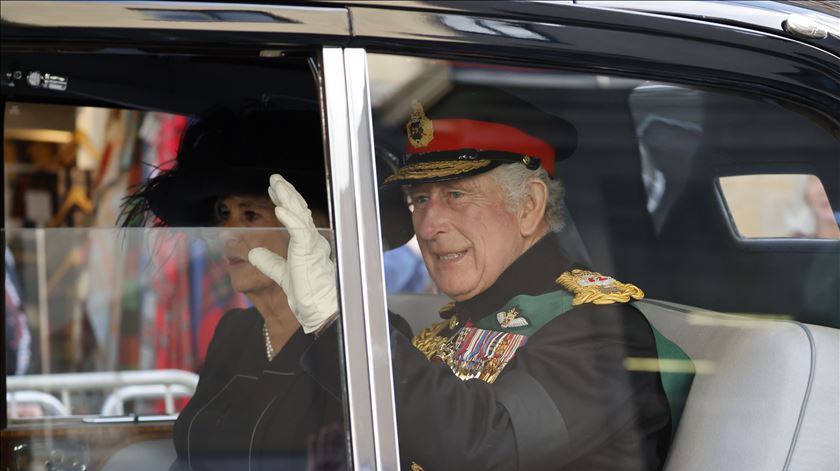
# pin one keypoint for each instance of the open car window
(642, 164)
(642, 199)
(127, 312)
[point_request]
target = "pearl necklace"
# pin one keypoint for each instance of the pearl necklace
(269, 349)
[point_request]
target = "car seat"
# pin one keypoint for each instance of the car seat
(765, 393)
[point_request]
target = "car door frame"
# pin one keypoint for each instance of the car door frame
(364, 319)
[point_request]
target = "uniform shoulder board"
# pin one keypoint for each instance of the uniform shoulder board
(430, 342)
(444, 311)
(593, 287)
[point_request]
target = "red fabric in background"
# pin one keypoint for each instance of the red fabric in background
(171, 129)
(172, 345)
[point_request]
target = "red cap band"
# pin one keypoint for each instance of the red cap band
(456, 134)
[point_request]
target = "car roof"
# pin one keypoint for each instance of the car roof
(767, 16)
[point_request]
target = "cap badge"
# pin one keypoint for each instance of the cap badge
(593, 287)
(510, 319)
(419, 127)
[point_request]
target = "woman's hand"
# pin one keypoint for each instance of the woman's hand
(307, 275)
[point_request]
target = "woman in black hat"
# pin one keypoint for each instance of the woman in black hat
(254, 405)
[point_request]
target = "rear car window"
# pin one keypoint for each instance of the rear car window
(794, 206)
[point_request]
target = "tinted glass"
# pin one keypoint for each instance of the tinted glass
(629, 287)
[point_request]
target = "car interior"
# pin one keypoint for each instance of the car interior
(699, 274)
(693, 264)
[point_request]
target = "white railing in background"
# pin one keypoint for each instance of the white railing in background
(119, 386)
(49, 404)
(114, 403)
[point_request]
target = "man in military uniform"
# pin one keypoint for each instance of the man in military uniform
(527, 369)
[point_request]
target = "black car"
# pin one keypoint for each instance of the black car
(706, 171)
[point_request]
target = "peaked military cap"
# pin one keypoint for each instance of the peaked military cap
(476, 129)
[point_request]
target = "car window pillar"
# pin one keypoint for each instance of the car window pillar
(364, 320)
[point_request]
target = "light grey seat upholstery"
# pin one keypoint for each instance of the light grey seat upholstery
(419, 310)
(765, 396)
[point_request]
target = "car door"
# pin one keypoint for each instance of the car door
(667, 118)
(111, 322)
(558, 56)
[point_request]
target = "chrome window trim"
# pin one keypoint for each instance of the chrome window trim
(363, 161)
(351, 304)
(364, 319)
(191, 16)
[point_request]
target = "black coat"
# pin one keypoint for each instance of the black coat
(248, 413)
(565, 401)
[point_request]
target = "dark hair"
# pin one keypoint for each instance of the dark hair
(225, 153)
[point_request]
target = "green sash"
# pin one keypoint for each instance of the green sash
(540, 310)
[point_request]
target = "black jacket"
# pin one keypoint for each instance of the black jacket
(248, 413)
(565, 401)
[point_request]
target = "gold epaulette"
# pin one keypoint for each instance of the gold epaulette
(444, 310)
(430, 342)
(593, 287)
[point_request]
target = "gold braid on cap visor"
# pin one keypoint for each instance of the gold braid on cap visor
(445, 168)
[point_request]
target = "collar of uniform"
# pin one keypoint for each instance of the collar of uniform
(533, 274)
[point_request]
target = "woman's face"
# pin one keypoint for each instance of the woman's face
(245, 222)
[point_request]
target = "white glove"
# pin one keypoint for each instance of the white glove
(307, 275)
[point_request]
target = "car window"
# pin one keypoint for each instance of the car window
(780, 206)
(130, 299)
(641, 187)
(634, 203)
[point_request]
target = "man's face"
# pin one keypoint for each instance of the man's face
(465, 232)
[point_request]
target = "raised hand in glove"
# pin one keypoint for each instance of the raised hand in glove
(307, 275)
